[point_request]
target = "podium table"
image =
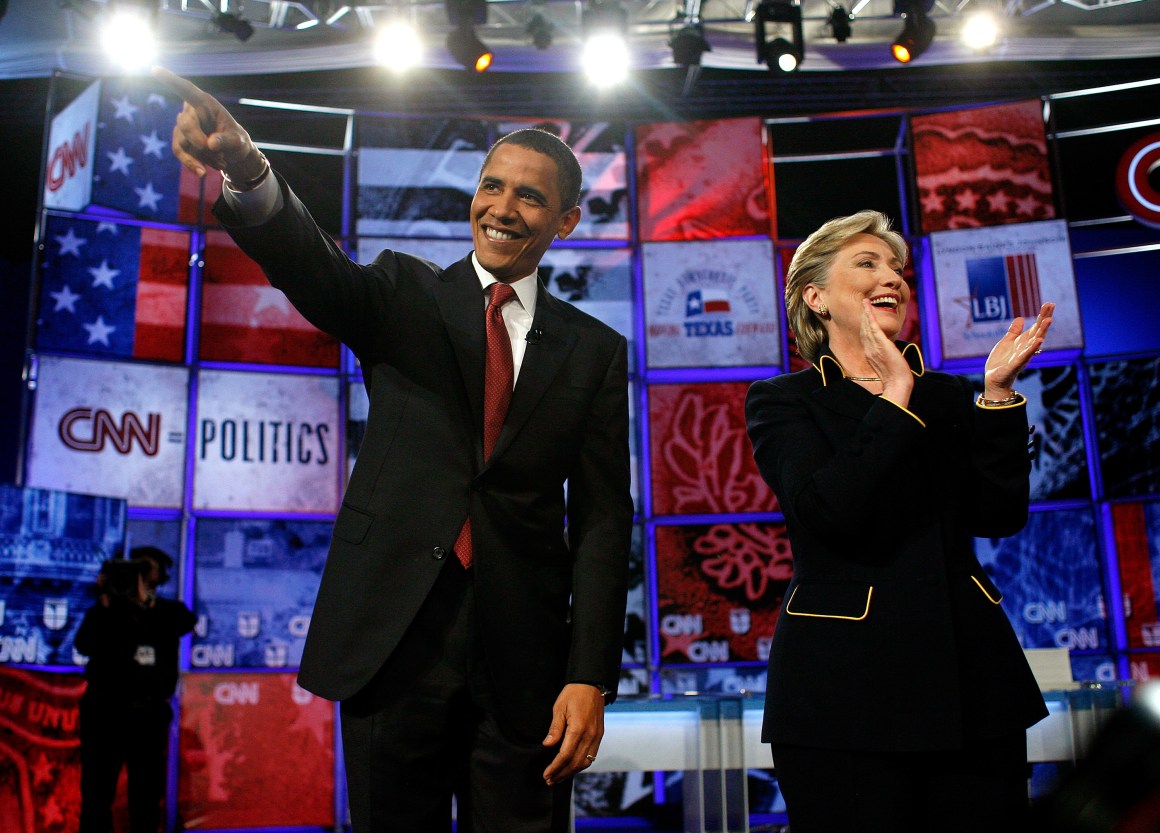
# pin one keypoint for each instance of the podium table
(714, 739)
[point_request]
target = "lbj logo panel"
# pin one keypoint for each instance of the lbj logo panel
(1003, 287)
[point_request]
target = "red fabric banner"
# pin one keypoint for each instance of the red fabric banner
(985, 166)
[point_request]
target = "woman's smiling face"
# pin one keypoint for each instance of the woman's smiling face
(864, 268)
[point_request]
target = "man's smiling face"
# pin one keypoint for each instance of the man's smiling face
(516, 212)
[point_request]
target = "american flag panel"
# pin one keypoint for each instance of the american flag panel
(982, 167)
(136, 172)
(196, 196)
(113, 289)
(244, 319)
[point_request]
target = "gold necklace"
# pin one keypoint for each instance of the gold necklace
(864, 378)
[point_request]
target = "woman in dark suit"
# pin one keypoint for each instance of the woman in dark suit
(898, 695)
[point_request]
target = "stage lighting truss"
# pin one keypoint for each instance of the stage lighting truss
(559, 24)
(917, 30)
(779, 53)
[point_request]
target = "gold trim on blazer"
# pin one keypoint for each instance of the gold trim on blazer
(911, 352)
(986, 593)
(865, 613)
(904, 410)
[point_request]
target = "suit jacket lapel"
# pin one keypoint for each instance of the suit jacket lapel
(542, 361)
(850, 399)
(460, 300)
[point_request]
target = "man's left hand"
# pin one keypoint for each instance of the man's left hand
(577, 726)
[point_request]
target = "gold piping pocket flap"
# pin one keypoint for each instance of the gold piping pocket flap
(988, 587)
(831, 600)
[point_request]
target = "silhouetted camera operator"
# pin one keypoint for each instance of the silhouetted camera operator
(131, 639)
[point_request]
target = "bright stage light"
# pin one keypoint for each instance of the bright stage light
(397, 47)
(128, 39)
(605, 59)
(980, 31)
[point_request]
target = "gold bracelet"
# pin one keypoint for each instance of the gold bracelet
(983, 402)
(250, 184)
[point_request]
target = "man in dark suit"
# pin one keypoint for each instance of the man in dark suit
(472, 643)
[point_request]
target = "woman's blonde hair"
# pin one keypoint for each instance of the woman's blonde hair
(811, 264)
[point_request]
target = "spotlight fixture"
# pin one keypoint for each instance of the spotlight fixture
(917, 30)
(462, 42)
(234, 24)
(466, 48)
(397, 46)
(840, 24)
(127, 35)
(540, 31)
(688, 44)
(605, 55)
(779, 53)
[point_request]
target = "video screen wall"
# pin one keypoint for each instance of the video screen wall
(181, 401)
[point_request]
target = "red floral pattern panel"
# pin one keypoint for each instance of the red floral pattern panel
(702, 462)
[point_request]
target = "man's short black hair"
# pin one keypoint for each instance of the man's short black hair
(158, 556)
(569, 177)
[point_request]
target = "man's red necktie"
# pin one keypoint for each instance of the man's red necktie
(498, 375)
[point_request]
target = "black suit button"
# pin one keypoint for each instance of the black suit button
(438, 553)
